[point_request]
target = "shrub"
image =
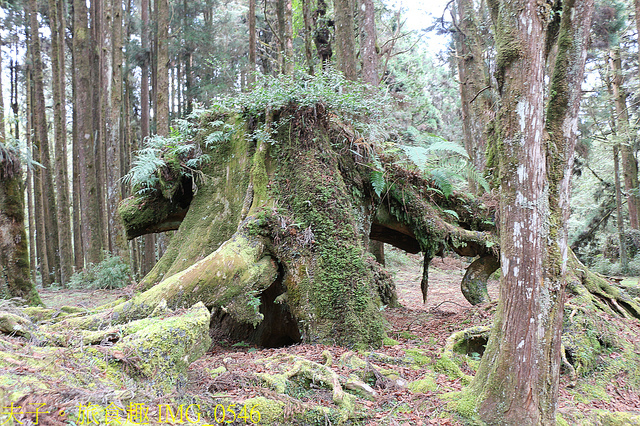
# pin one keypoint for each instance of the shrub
(111, 273)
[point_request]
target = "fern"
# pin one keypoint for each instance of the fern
(452, 213)
(442, 179)
(449, 147)
(378, 182)
(442, 161)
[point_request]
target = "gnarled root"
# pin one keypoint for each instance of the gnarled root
(474, 282)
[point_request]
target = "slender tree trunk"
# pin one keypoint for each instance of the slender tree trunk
(90, 203)
(345, 38)
(162, 74)
(368, 50)
(252, 42)
(31, 218)
(624, 262)
(103, 68)
(629, 164)
(2, 117)
(31, 181)
(148, 251)
(517, 380)
(475, 91)
(118, 242)
(78, 247)
(288, 38)
(280, 37)
(14, 95)
(42, 143)
(56, 22)
(39, 228)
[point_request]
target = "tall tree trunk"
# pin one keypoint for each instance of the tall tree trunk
(629, 164)
(90, 203)
(101, 26)
(288, 38)
(475, 93)
(368, 50)
(42, 143)
(38, 217)
(517, 380)
(14, 250)
(345, 38)
(32, 189)
(280, 40)
(308, 34)
(2, 117)
(117, 238)
(252, 42)
(78, 247)
(56, 22)
(624, 262)
(162, 73)
(148, 252)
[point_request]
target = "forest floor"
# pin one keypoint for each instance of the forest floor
(417, 332)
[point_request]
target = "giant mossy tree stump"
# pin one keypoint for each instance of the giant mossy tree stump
(275, 239)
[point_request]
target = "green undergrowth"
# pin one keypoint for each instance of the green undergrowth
(112, 272)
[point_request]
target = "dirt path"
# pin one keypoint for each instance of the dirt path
(445, 275)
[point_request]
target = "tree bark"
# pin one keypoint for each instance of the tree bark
(42, 143)
(368, 44)
(90, 205)
(3, 134)
(288, 38)
(308, 34)
(517, 380)
(624, 261)
(117, 239)
(162, 74)
(56, 23)
(36, 223)
(476, 94)
(629, 164)
(14, 250)
(101, 74)
(345, 38)
(78, 247)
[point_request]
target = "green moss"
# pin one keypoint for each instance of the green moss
(426, 384)
(465, 404)
(586, 392)
(38, 313)
(271, 411)
(417, 357)
(560, 421)
(409, 336)
(166, 348)
(607, 418)
(446, 366)
(388, 341)
(216, 208)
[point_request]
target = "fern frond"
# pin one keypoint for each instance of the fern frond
(442, 179)
(378, 182)
(448, 146)
(417, 155)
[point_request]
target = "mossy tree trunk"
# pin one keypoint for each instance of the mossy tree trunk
(517, 381)
(14, 252)
(308, 199)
